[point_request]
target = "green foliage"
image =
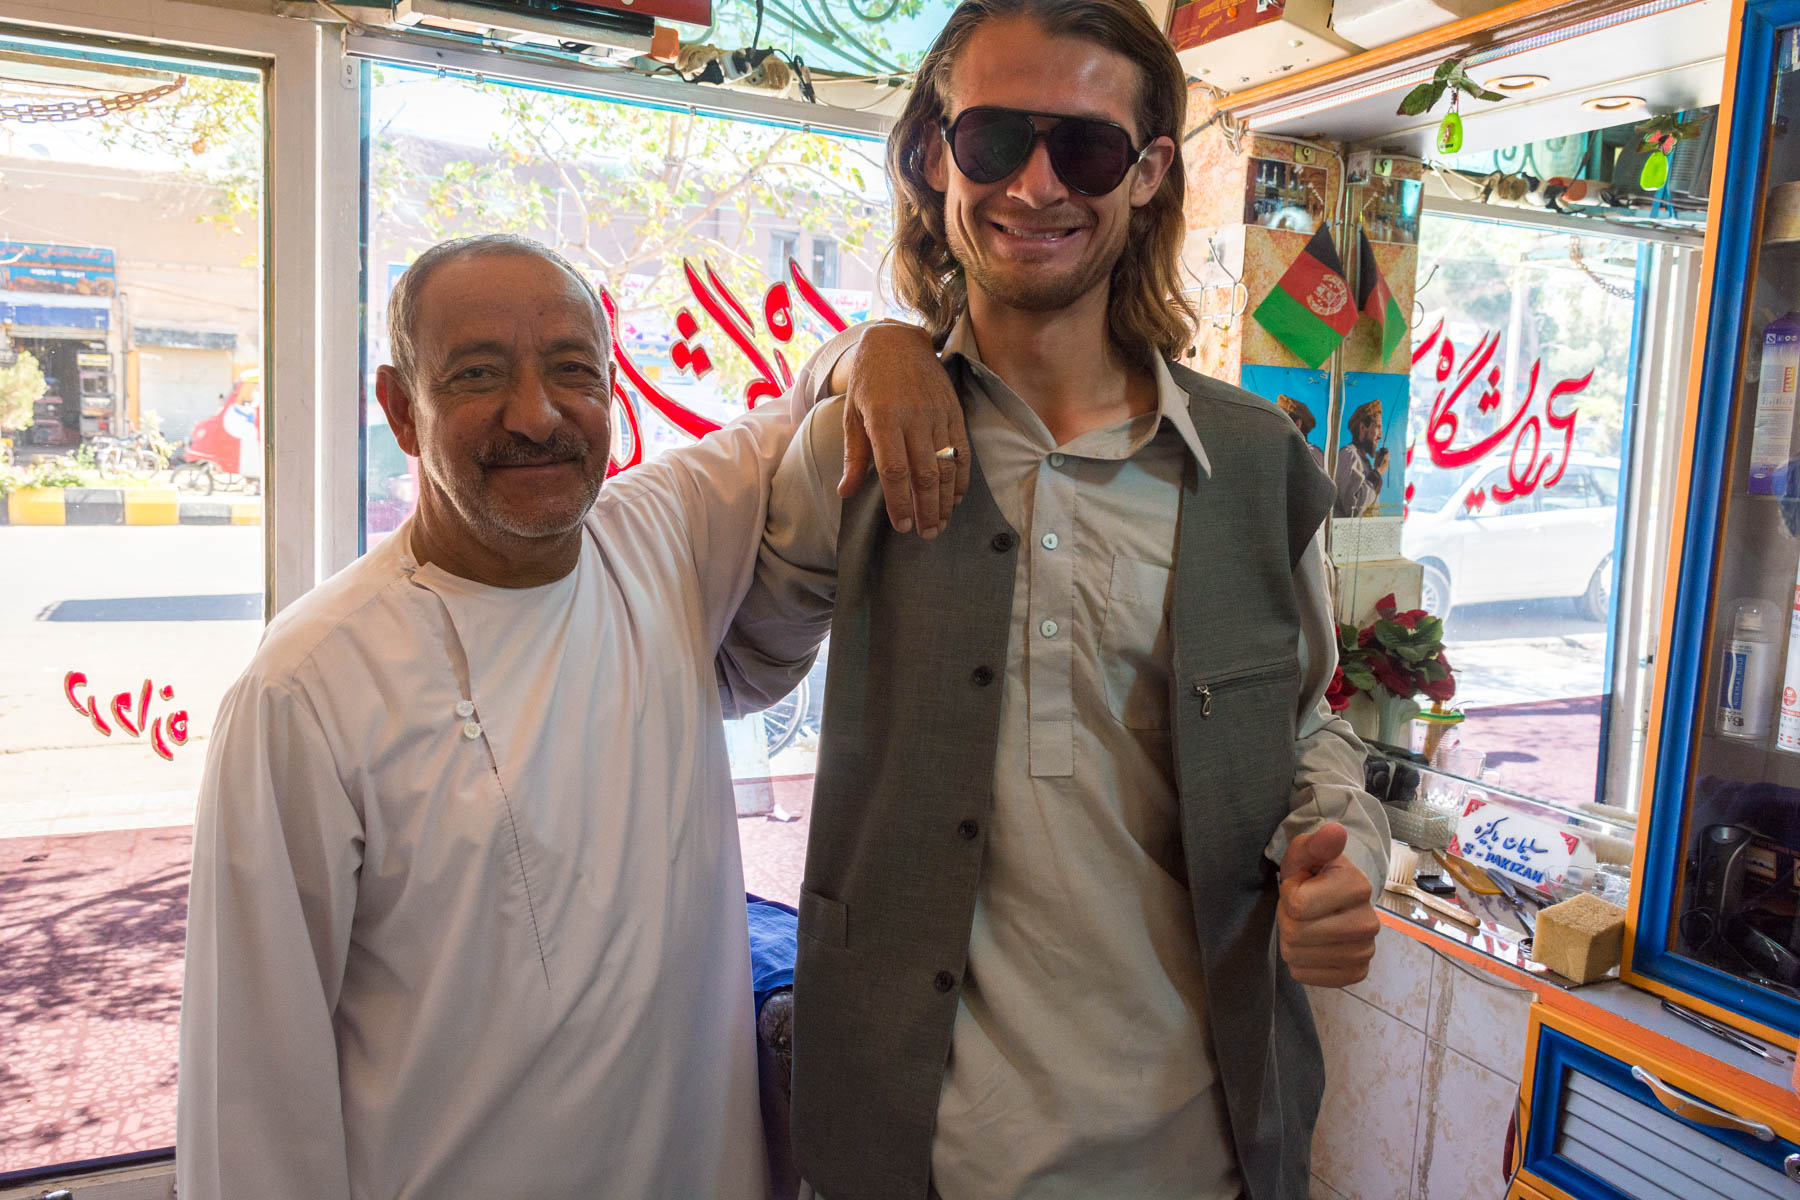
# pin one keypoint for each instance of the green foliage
(1661, 133)
(21, 386)
(212, 129)
(1397, 654)
(1449, 75)
(65, 471)
(630, 193)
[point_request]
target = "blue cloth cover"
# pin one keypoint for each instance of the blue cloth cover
(774, 930)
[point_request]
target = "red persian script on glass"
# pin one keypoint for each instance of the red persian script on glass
(689, 354)
(1530, 465)
(130, 710)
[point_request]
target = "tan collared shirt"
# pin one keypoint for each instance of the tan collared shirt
(1081, 1063)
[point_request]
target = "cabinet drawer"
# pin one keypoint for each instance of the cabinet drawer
(1600, 1128)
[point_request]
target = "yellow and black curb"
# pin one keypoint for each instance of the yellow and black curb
(122, 506)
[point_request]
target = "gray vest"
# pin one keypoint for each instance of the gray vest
(905, 783)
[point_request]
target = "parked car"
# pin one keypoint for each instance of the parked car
(1551, 542)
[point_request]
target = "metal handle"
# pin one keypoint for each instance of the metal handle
(1699, 1111)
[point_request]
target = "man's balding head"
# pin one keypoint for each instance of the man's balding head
(403, 301)
(501, 386)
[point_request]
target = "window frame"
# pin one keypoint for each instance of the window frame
(310, 313)
(313, 291)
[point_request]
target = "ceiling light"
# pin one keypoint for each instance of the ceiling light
(1518, 83)
(1611, 104)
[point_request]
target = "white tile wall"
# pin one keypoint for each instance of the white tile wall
(1369, 1120)
(1422, 1061)
(1462, 1129)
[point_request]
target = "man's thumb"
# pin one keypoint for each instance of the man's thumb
(1312, 852)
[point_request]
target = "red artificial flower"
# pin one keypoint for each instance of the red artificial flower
(1391, 676)
(1338, 695)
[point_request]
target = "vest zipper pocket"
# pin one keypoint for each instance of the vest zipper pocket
(1204, 688)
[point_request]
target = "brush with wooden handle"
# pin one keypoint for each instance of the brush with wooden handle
(1403, 864)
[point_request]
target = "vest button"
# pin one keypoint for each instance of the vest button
(982, 676)
(968, 829)
(944, 981)
(1003, 542)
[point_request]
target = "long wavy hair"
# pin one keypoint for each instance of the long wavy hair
(1146, 311)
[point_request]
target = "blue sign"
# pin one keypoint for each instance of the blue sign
(56, 270)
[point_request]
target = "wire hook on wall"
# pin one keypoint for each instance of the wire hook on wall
(1418, 312)
(1237, 293)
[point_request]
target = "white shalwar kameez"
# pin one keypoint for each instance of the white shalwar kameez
(467, 908)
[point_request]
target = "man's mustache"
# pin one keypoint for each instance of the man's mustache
(562, 446)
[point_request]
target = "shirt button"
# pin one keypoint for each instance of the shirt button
(471, 731)
(1048, 629)
(968, 829)
(1002, 542)
(982, 676)
(944, 981)
(1049, 540)
(1057, 460)
(465, 708)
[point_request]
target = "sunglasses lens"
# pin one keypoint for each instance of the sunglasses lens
(990, 143)
(1090, 156)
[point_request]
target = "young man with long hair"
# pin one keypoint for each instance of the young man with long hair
(1083, 822)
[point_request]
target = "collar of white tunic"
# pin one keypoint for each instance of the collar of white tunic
(1125, 439)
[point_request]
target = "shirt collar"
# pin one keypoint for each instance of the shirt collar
(1171, 397)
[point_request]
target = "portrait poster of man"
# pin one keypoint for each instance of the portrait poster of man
(1304, 395)
(1370, 467)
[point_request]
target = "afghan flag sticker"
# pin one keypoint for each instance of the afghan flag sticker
(1373, 298)
(1309, 311)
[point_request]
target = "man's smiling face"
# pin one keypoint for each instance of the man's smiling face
(1028, 241)
(509, 408)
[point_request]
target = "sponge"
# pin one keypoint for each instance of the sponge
(1582, 938)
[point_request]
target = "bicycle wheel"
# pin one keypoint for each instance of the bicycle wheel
(782, 719)
(193, 477)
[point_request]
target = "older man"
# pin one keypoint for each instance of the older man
(467, 910)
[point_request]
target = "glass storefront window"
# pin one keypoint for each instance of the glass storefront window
(728, 249)
(131, 449)
(1517, 448)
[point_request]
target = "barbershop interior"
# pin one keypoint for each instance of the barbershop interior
(1525, 276)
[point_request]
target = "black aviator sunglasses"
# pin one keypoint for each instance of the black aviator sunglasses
(1090, 156)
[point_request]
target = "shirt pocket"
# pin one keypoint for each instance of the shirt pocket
(1134, 643)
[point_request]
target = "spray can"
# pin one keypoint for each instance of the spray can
(1747, 672)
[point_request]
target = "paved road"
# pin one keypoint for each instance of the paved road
(1522, 652)
(178, 605)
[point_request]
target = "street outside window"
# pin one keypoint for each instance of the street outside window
(131, 448)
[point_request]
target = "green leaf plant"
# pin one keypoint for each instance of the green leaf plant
(1449, 76)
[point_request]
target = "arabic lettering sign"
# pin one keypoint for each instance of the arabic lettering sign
(130, 711)
(1532, 850)
(772, 372)
(49, 269)
(1537, 437)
